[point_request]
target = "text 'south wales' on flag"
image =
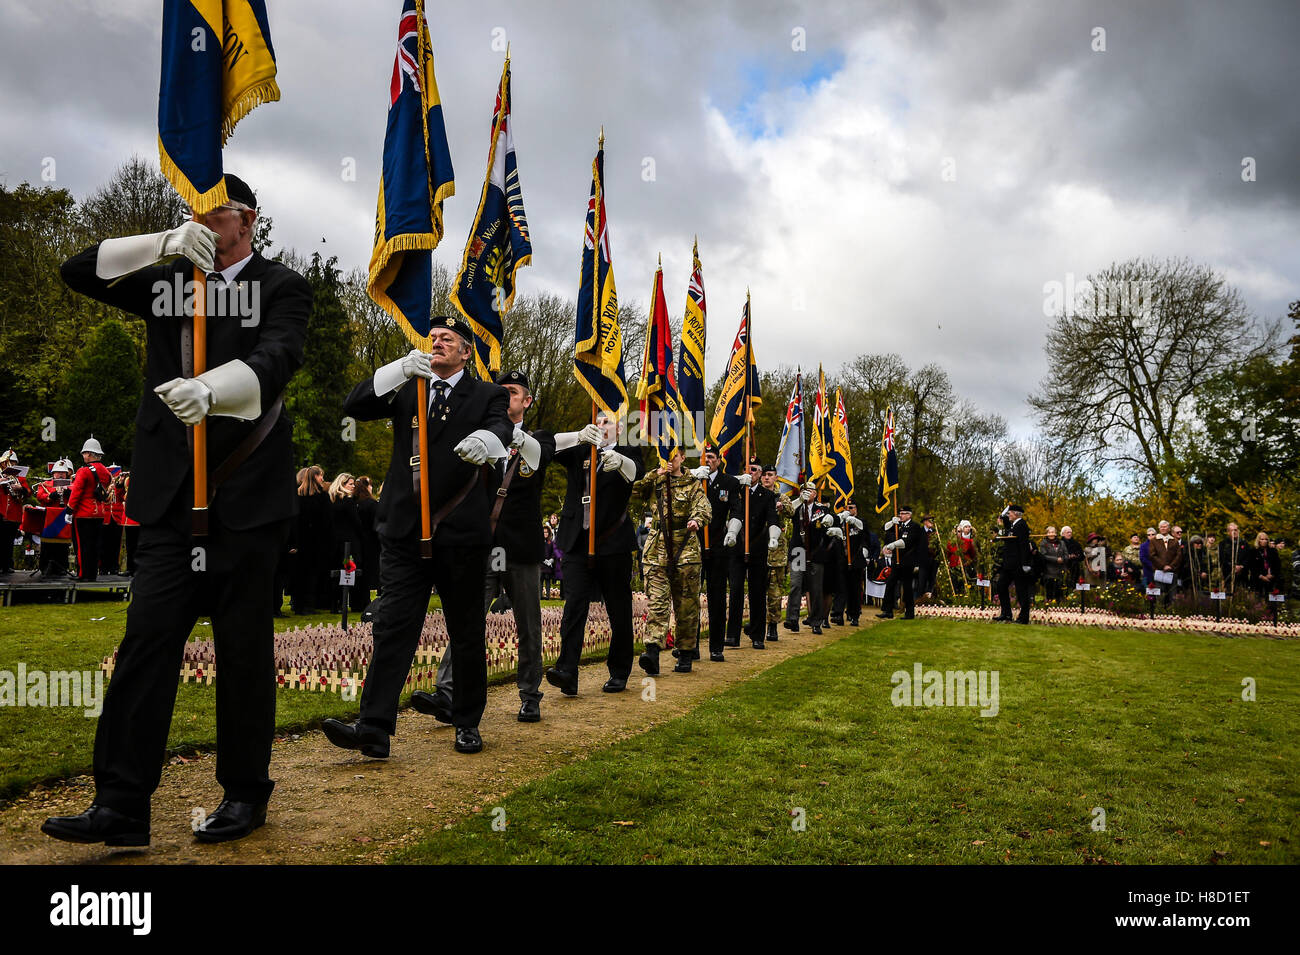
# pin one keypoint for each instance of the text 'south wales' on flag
(741, 392)
(498, 243)
(819, 460)
(887, 480)
(690, 361)
(217, 65)
(597, 339)
(416, 179)
(841, 472)
(661, 405)
(789, 459)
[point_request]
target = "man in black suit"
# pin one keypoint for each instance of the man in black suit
(468, 425)
(763, 532)
(811, 522)
(1016, 566)
(257, 321)
(906, 540)
(722, 490)
(608, 574)
(515, 561)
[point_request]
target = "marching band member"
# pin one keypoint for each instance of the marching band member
(13, 495)
(86, 507)
(53, 493)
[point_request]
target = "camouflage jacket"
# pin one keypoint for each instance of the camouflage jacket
(688, 502)
(780, 556)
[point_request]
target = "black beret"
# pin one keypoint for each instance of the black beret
(905, 507)
(457, 325)
(239, 191)
(513, 378)
(711, 448)
(1016, 507)
(754, 461)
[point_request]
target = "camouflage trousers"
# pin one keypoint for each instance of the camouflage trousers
(775, 590)
(675, 589)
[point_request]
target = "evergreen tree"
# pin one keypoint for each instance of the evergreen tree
(101, 392)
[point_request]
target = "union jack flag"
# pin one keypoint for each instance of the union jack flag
(887, 479)
(406, 64)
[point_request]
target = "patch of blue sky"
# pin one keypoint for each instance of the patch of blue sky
(752, 114)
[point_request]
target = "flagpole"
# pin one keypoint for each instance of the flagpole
(426, 521)
(199, 344)
(749, 352)
(595, 324)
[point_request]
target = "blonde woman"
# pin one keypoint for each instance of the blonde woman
(309, 543)
(345, 520)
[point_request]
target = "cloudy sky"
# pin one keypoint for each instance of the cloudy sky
(882, 176)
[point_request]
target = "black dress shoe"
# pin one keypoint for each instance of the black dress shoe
(371, 740)
(231, 820)
(468, 740)
(566, 683)
(432, 704)
(530, 712)
(853, 621)
(99, 824)
(731, 643)
(885, 616)
(792, 626)
(838, 621)
(758, 644)
(771, 631)
(615, 685)
(717, 658)
(909, 616)
(649, 660)
(817, 629)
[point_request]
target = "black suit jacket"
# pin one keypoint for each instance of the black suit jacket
(262, 489)
(762, 515)
(1015, 549)
(916, 551)
(519, 528)
(612, 495)
(472, 405)
(723, 491)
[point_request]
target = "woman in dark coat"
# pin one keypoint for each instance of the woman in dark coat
(310, 543)
(368, 562)
(1265, 567)
(345, 518)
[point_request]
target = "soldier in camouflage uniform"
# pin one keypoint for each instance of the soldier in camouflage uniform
(678, 508)
(776, 557)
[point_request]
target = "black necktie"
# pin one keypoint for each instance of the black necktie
(439, 409)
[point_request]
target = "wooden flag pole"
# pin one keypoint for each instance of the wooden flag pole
(199, 343)
(591, 493)
(749, 411)
(422, 422)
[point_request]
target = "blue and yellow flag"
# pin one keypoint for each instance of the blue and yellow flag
(841, 472)
(217, 65)
(661, 403)
(597, 338)
(417, 177)
(498, 243)
(887, 478)
(819, 436)
(733, 418)
(690, 361)
(790, 454)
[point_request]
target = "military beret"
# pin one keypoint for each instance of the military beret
(1016, 507)
(711, 448)
(457, 325)
(754, 461)
(769, 469)
(513, 378)
(905, 508)
(239, 191)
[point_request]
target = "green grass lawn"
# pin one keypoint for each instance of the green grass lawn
(42, 744)
(1151, 728)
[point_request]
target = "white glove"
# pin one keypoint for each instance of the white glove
(773, 538)
(390, 377)
(701, 472)
(118, 257)
(853, 522)
(611, 460)
(733, 531)
(744, 480)
(891, 523)
(827, 520)
(570, 439)
(894, 545)
(472, 450)
(188, 398)
(591, 434)
(806, 496)
(549, 562)
(835, 532)
(236, 391)
(865, 555)
(1026, 568)
(530, 449)
(1005, 511)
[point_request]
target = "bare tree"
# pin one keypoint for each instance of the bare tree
(1125, 361)
(137, 200)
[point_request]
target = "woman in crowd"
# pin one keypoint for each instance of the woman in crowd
(1144, 557)
(550, 564)
(310, 543)
(367, 508)
(345, 521)
(1055, 556)
(1073, 556)
(1097, 560)
(1265, 567)
(963, 557)
(1198, 566)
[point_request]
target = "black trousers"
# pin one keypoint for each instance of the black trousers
(408, 581)
(610, 579)
(848, 600)
(8, 531)
(132, 534)
(110, 548)
(717, 565)
(54, 557)
(169, 593)
(1024, 592)
(85, 534)
(903, 578)
(755, 574)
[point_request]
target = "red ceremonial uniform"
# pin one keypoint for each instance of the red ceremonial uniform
(13, 493)
(50, 496)
(82, 502)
